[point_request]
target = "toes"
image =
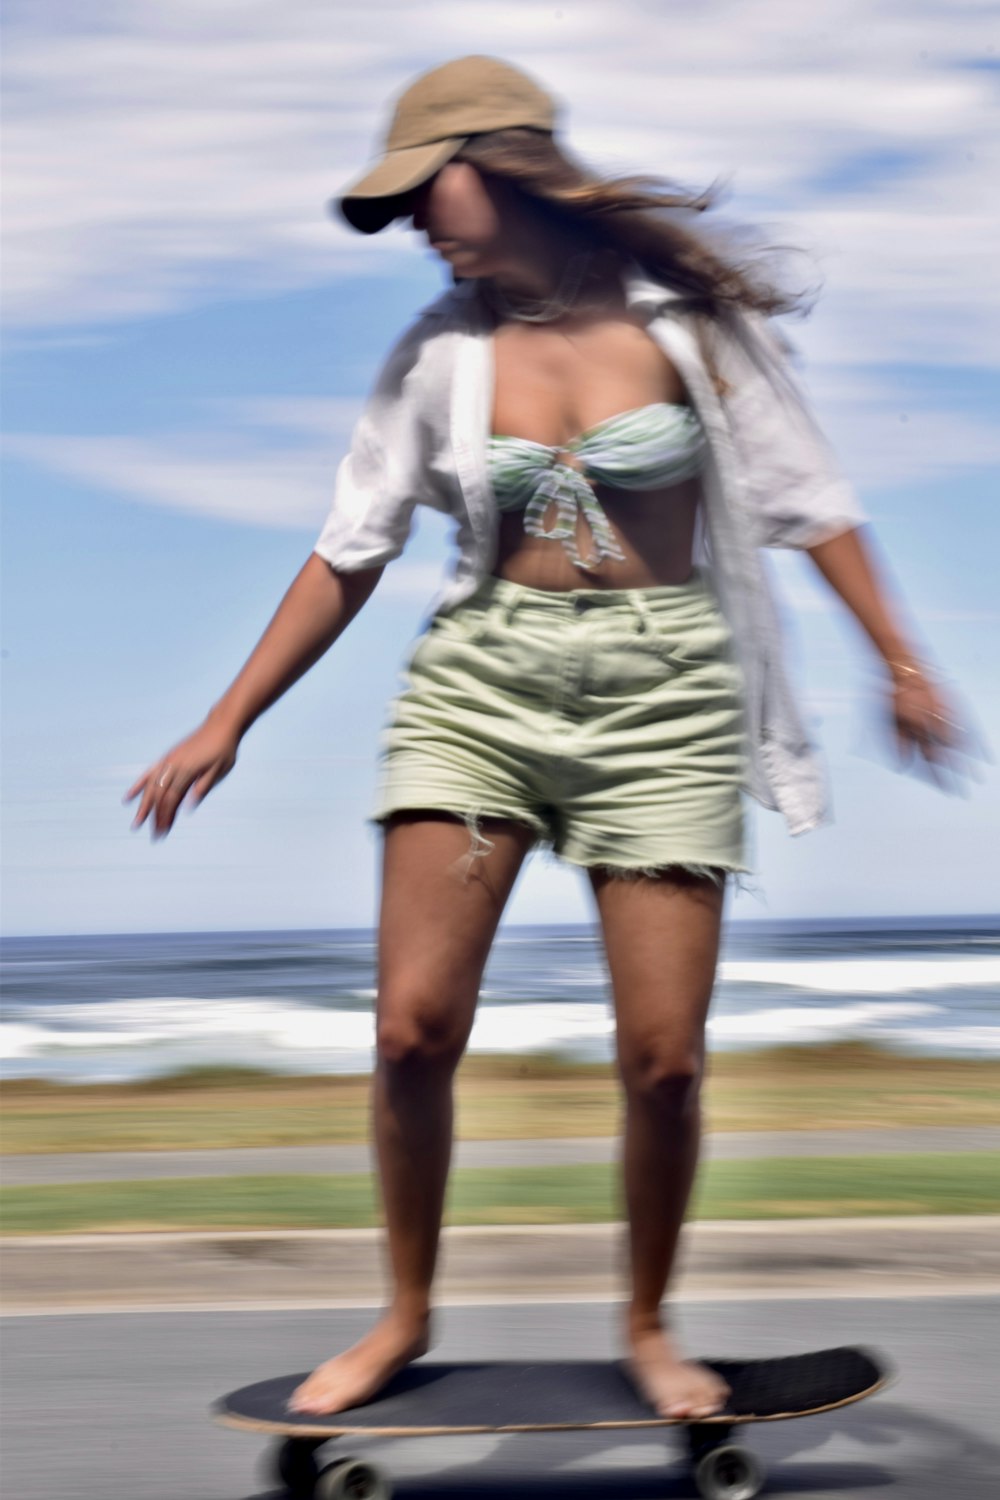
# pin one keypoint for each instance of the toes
(308, 1402)
(689, 1407)
(314, 1408)
(682, 1407)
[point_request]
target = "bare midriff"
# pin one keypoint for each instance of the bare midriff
(552, 383)
(655, 530)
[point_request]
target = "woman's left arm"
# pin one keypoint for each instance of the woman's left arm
(797, 496)
(925, 720)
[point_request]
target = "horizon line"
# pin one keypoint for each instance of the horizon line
(979, 918)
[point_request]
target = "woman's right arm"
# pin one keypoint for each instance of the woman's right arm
(319, 605)
(388, 470)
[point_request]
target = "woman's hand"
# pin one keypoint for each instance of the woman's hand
(926, 722)
(196, 764)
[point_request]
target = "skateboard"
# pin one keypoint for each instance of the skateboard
(446, 1399)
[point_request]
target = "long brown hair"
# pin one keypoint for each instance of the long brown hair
(632, 215)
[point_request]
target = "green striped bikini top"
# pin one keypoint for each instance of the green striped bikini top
(641, 449)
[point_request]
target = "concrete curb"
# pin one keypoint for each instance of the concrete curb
(791, 1257)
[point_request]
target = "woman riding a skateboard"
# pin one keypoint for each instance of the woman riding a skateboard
(602, 406)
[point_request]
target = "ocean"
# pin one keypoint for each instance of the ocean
(127, 1006)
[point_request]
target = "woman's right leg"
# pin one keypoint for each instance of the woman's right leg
(435, 933)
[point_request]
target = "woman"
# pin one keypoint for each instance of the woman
(600, 405)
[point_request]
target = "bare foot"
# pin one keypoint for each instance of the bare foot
(673, 1386)
(360, 1372)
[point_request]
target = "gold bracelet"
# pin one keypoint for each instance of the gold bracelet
(906, 668)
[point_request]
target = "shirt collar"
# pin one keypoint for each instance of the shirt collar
(642, 292)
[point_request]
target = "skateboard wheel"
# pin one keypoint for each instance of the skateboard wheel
(295, 1466)
(351, 1479)
(728, 1472)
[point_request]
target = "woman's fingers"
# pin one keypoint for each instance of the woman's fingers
(929, 727)
(136, 787)
(193, 766)
(192, 788)
(155, 784)
(171, 786)
(148, 785)
(203, 784)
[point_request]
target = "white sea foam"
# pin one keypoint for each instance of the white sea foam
(864, 976)
(535, 1028)
(785, 1024)
(919, 1002)
(140, 1038)
(17, 1040)
(276, 1026)
(951, 1038)
(165, 1019)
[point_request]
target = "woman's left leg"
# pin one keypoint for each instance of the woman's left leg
(661, 936)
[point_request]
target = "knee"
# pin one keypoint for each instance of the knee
(664, 1077)
(413, 1032)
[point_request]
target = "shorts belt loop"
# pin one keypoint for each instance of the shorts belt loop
(494, 615)
(500, 611)
(508, 606)
(645, 621)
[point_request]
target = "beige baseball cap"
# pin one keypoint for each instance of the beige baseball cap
(433, 119)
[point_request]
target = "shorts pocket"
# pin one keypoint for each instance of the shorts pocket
(706, 644)
(428, 643)
(453, 636)
(466, 625)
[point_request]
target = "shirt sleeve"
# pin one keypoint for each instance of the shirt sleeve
(796, 491)
(388, 469)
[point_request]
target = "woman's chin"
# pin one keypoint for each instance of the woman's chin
(466, 261)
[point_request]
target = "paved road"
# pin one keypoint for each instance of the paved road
(112, 1166)
(112, 1407)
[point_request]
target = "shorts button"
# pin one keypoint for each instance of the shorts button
(580, 603)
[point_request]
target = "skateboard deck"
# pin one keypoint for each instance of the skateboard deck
(429, 1399)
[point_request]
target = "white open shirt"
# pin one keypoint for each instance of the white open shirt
(770, 480)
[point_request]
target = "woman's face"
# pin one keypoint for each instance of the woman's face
(464, 217)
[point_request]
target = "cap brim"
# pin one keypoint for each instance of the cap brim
(373, 202)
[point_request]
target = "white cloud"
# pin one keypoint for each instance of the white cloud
(327, 417)
(271, 460)
(255, 489)
(802, 590)
(161, 156)
(888, 435)
(247, 471)
(158, 156)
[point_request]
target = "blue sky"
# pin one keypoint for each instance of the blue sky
(189, 337)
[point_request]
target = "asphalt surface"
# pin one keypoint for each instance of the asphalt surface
(115, 1407)
(112, 1166)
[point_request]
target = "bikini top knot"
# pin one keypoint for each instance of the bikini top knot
(646, 448)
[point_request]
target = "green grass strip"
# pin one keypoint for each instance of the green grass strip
(769, 1188)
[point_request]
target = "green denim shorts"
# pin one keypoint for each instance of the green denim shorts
(609, 720)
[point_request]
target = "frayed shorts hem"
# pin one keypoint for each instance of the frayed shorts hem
(651, 866)
(420, 802)
(709, 868)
